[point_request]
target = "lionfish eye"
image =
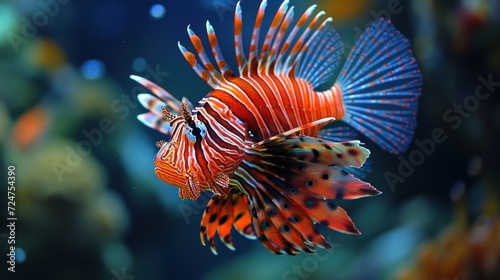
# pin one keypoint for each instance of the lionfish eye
(196, 130)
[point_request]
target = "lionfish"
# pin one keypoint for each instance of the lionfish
(257, 141)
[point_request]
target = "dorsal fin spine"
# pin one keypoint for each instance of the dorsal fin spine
(291, 36)
(292, 58)
(279, 38)
(214, 44)
(214, 75)
(253, 52)
(241, 59)
(275, 25)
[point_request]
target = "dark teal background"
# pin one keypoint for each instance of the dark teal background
(90, 207)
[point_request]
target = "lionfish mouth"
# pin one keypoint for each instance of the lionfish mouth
(170, 175)
(187, 182)
(192, 189)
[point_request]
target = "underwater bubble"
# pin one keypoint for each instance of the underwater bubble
(457, 190)
(20, 255)
(139, 64)
(157, 11)
(474, 166)
(93, 69)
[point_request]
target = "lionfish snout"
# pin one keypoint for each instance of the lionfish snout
(169, 168)
(166, 165)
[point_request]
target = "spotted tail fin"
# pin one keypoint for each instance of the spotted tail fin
(380, 85)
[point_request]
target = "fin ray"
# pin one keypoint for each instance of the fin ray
(173, 103)
(215, 78)
(267, 46)
(322, 56)
(238, 39)
(380, 85)
(155, 118)
(221, 215)
(214, 44)
(153, 121)
(210, 222)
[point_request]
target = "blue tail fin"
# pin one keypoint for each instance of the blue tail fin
(380, 85)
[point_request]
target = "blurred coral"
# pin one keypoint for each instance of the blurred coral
(44, 54)
(76, 205)
(29, 127)
(464, 250)
(346, 10)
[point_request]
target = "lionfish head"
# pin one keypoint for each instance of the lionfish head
(190, 161)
